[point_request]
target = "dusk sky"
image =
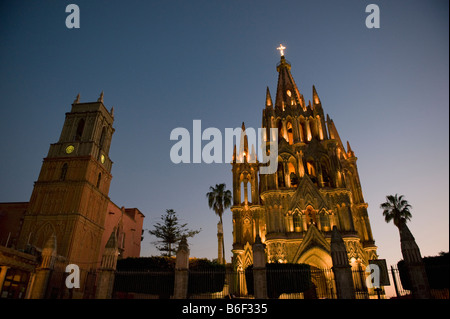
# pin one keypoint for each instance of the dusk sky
(163, 64)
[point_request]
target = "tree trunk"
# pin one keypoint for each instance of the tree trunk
(223, 241)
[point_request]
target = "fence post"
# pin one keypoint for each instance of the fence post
(105, 283)
(341, 267)
(45, 270)
(259, 269)
(181, 270)
(420, 287)
(394, 279)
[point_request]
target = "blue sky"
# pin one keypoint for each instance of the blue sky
(162, 64)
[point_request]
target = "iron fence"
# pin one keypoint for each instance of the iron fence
(282, 284)
(144, 284)
(219, 284)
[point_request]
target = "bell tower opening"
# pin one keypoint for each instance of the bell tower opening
(80, 129)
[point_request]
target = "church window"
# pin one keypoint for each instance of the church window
(99, 178)
(301, 131)
(297, 220)
(62, 177)
(280, 174)
(292, 176)
(102, 138)
(242, 192)
(326, 177)
(311, 168)
(294, 179)
(325, 222)
(290, 132)
(280, 130)
(310, 216)
(80, 129)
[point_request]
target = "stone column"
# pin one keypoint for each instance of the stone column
(420, 287)
(45, 270)
(220, 257)
(181, 270)
(341, 267)
(259, 269)
(105, 280)
(3, 271)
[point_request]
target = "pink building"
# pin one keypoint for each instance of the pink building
(127, 223)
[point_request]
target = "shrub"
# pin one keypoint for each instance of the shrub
(437, 269)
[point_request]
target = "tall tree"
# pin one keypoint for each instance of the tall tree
(170, 232)
(397, 209)
(219, 199)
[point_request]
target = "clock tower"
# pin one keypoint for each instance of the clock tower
(70, 197)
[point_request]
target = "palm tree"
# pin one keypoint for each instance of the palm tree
(219, 199)
(396, 208)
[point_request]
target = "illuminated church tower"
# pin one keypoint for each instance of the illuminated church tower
(316, 186)
(70, 197)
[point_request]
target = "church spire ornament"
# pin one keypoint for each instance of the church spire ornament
(281, 49)
(77, 100)
(100, 99)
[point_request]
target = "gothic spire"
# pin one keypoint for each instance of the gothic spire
(349, 150)
(268, 99)
(287, 91)
(316, 99)
(243, 147)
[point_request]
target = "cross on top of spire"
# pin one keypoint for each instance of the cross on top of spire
(281, 49)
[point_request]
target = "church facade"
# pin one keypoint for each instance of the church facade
(69, 210)
(316, 186)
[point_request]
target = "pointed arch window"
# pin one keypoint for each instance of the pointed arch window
(314, 128)
(311, 168)
(325, 221)
(297, 221)
(62, 176)
(310, 215)
(326, 176)
(293, 179)
(290, 133)
(301, 130)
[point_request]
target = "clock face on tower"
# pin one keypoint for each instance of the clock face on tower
(102, 159)
(69, 149)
